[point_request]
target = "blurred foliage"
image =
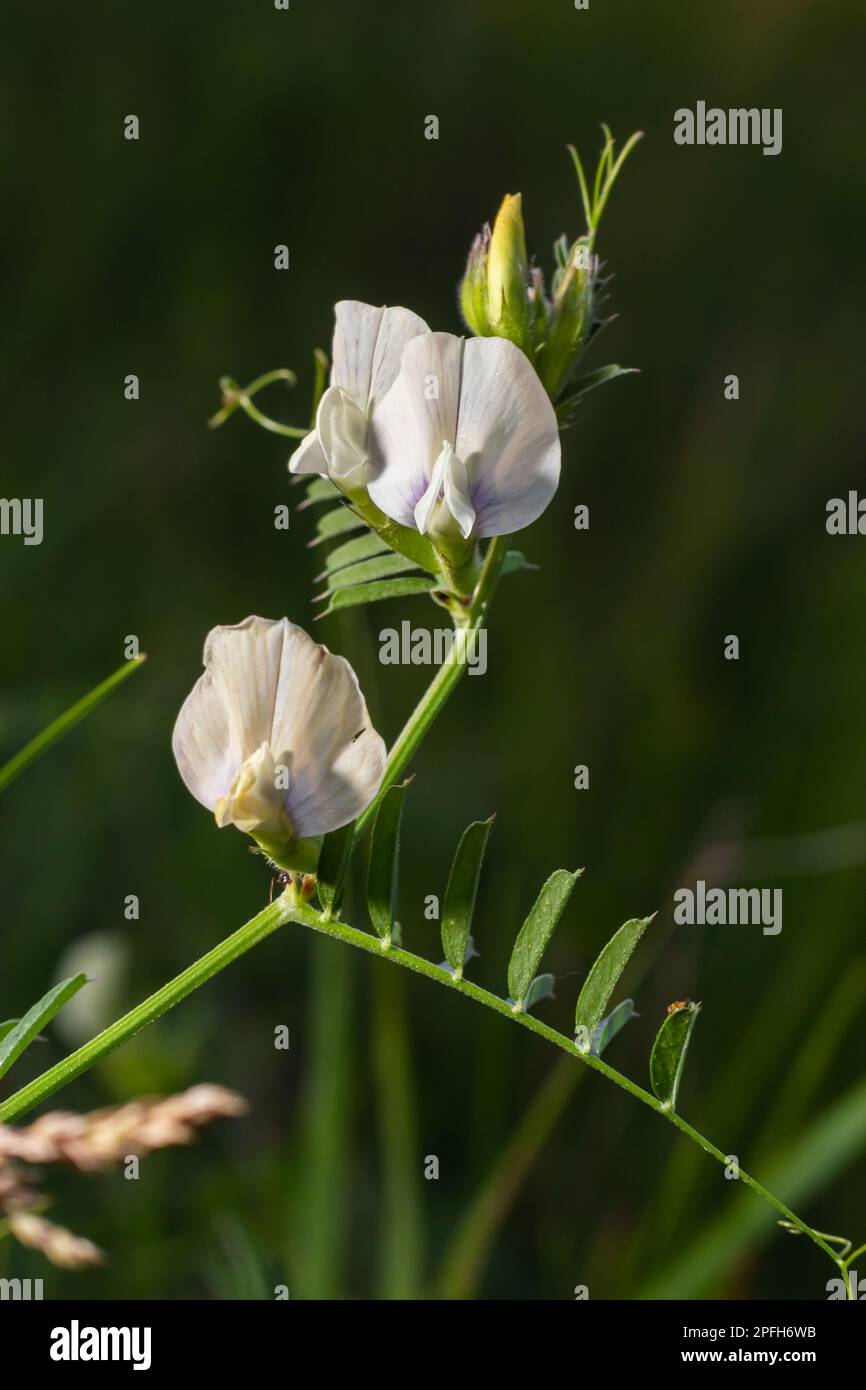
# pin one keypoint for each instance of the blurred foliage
(707, 517)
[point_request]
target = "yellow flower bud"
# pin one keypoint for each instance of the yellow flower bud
(495, 293)
(507, 265)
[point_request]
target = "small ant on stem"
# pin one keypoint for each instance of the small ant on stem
(302, 885)
(282, 879)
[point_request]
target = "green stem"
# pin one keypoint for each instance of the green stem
(119, 1032)
(373, 945)
(446, 678)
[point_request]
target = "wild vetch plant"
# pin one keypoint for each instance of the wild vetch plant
(428, 452)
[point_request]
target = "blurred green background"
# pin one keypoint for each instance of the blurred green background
(261, 127)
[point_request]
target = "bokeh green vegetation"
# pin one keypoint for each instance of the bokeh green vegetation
(707, 518)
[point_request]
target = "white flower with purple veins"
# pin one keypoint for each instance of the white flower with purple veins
(368, 344)
(275, 739)
(466, 442)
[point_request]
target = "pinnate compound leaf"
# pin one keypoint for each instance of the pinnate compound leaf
(385, 861)
(537, 931)
(373, 593)
(320, 490)
(21, 1035)
(336, 522)
(568, 408)
(602, 978)
(377, 567)
(669, 1052)
(461, 892)
(350, 552)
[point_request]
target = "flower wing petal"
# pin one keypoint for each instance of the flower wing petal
(507, 436)
(342, 429)
(337, 758)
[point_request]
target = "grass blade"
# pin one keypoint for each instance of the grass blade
(65, 722)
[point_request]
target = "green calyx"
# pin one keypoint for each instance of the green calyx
(290, 853)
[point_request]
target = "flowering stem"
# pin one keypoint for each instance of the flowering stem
(280, 911)
(446, 678)
(119, 1032)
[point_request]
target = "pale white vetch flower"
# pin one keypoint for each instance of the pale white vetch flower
(366, 352)
(275, 739)
(466, 441)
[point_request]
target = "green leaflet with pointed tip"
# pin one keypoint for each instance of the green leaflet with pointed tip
(320, 490)
(567, 409)
(379, 567)
(336, 523)
(601, 980)
(360, 548)
(515, 561)
(541, 988)
(537, 931)
(332, 865)
(380, 589)
(461, 891)
(608, 1028)
(25, 1030)
(669, 1053)
(385, 860)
